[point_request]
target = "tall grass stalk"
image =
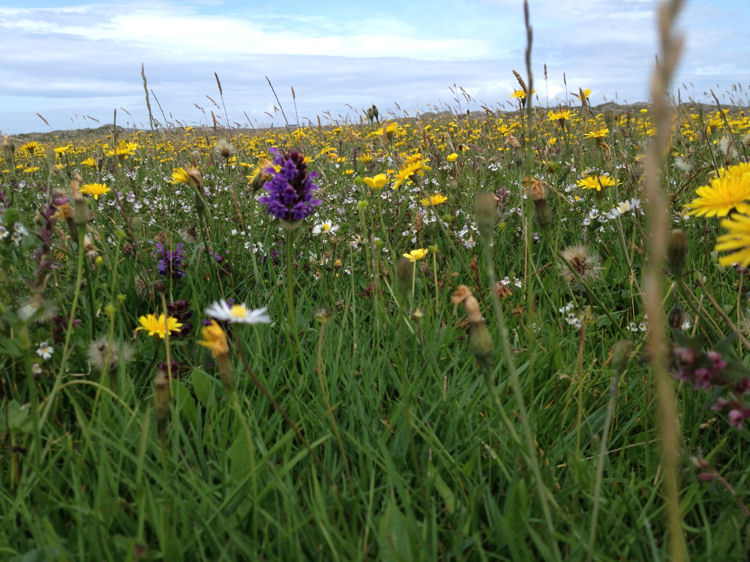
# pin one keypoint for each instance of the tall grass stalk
(670, 48)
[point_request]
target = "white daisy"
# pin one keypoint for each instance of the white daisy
(325, 227)
(221, 311)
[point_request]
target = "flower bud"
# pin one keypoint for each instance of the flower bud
(676, 251)
(404, 273)
(621, 354)
(480, 344)
(485, 209)
(676, 317)
(161, 399)
(542, 213)
(323, 315)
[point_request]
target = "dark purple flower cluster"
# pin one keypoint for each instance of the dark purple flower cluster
(290, 190)
(703, 370)
(706, 370)
(170, 261)
(181, 311)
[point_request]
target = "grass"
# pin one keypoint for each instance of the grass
(378, 435)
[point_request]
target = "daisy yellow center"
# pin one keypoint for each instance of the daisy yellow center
(238, 311)
(326, 227)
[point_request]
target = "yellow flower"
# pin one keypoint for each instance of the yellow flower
(414, 165)
(518, 94)
(731, 190)
(415, 255)
(562, 115)
(596, 182)
(95, 189)
(433, 200)
(377, 182)
(189, 176)
(452, 157)
(597, 134)
(158, 326)
(737, 240)
(90, 162)
(180, 175)
(214, 339)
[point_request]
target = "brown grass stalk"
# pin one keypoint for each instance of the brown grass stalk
(662, 110)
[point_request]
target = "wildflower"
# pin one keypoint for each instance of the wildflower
(188, 176)
(158, 326)
(179, 310)
(95, 189)
(578, 259)
(170, 261)
(223, 312)
(519, 94)
(214, 339)
(104, 356)
(261, 176)
(225, 149)
(596, 182)
(597, 134)
(433, 200)
(36, 369)
(326, 227)
(560, 116)
(376, 182)
(414, 165)
(416, 255)
(622, 208)
(290, 189)
(45, 350)
(736, 240)
(452, 157)
(724, 194)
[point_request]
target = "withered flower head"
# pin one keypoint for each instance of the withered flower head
(578, 258)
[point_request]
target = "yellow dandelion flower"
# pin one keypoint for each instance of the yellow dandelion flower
(452, 157)
(597, 134)
(433, 200)
(95, 189)
(596, 182)
(158, 326)
(730, 191)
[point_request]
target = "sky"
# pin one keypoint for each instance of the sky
(76, 62)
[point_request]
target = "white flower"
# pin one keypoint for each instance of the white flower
(326, 227)
(221, 311)
(44, 350)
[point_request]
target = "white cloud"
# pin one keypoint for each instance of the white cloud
(86, 59)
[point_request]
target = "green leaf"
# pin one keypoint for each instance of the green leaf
(17, 417)
(202, 385)
(239, 457)
(392, 534)
(9, 347)
(445, 492)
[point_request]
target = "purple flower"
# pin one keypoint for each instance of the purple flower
(170, 262)
(736, 418)
(290, 189)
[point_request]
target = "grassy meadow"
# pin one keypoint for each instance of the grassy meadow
(453, 360)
